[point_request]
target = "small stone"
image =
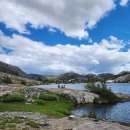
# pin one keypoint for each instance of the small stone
(72, 117)
(95, 120)
(45, 124)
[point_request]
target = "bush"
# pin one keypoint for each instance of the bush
(1, 81)
(32, 124)
(7, 80)
(48, 96)
(92, 115)
(84, 116)
(104, 92)
(8, 98)
(23, 82)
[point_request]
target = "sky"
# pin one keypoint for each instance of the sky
(58, 36)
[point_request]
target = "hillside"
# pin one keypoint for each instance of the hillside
(37, 77)
(12, 74)
(9, 69)
(123, 79)
(123, 73)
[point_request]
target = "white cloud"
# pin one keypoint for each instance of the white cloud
(37, 57)
(112, 43)
(70, 16)
(123, 2)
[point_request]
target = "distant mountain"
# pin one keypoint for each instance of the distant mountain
(123, 73)
(71, 77)
(90, 76)
(105, 76)
(10, 69)
(37, 77)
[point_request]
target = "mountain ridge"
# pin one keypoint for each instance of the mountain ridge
(69, 77)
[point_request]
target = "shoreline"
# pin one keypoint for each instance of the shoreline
(75, 123)
(42, 121)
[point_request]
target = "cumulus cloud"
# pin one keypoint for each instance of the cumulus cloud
(37, 57)
(72, 17)
(113, 43)
(124, 2)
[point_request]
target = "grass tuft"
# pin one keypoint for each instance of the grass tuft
(32, 124)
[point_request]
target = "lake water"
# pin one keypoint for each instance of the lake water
(117, 112)
(115, 87)
(79, 86)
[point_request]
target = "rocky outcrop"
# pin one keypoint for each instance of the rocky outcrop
(46, 123)
(124, 97)
(30, 92)
(6, 89)
(76, 96)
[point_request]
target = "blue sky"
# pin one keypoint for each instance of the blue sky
(49, 37)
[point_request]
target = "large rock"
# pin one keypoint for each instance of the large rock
(77, 96)
(84, 124)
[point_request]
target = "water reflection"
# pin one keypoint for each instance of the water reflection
(117, 112)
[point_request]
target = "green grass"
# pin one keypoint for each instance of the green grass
(32, 124)
(12, 123)
(48, 103)
(9, 98)
(48, 96)
(59, 108)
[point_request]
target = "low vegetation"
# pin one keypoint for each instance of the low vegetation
(48, 103)
(106, 95)
(90, 115)
(24, 82)
(10, 98)
(13, 123)
(32, 124)
(48, 96)
(6, 80)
